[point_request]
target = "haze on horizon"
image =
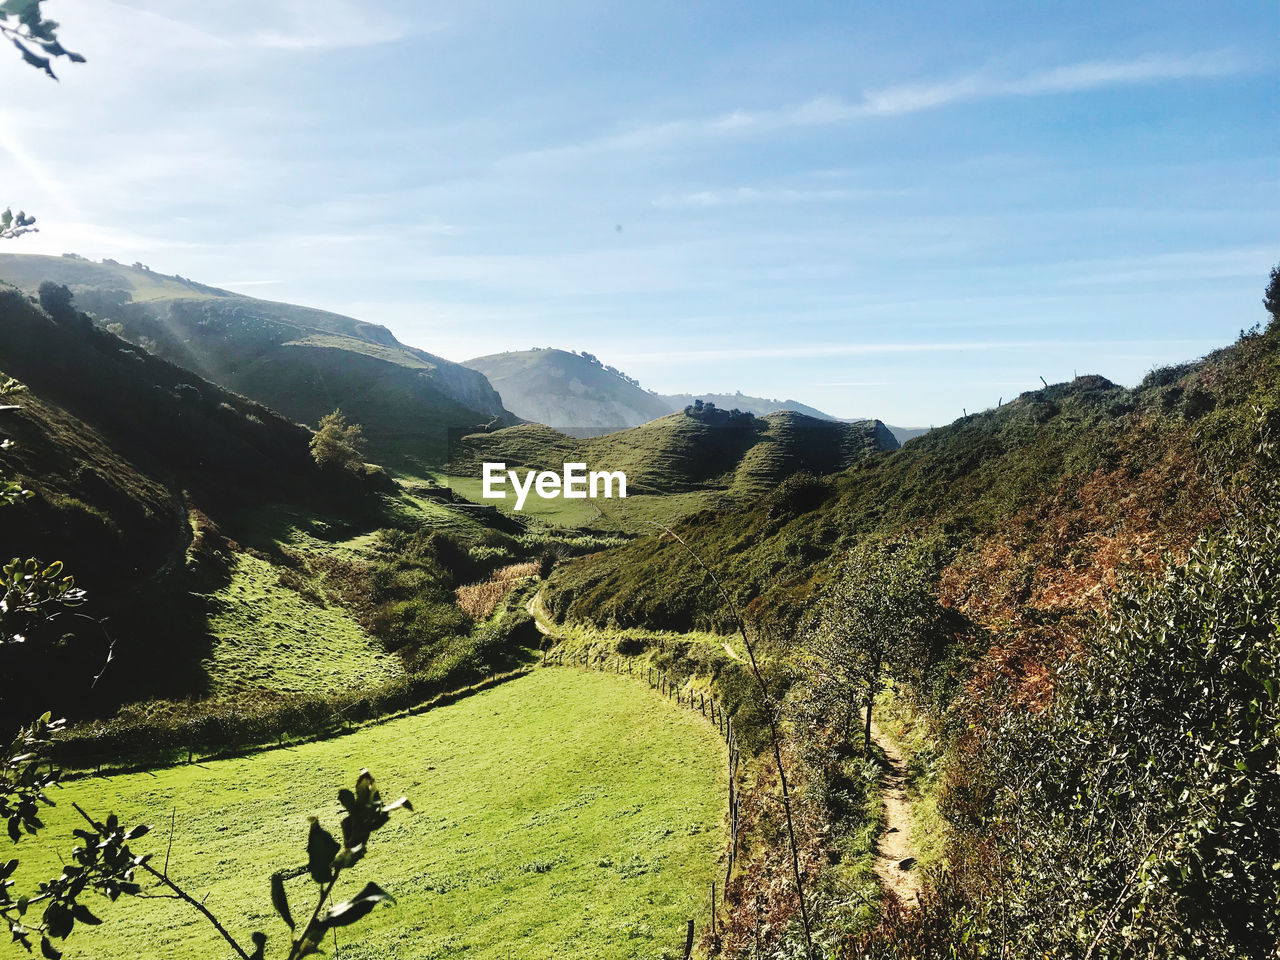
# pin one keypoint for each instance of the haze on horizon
(891, 212)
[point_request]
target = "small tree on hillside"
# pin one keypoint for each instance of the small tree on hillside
(338, 443)
(1271, 299)
(879, 619)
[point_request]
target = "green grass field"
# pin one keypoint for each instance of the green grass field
(563, 814)
(271, 637)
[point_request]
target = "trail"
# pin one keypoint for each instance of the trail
(534, 609)
(894, 848)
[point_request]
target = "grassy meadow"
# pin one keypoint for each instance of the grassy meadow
(268, 636)
(565, 813)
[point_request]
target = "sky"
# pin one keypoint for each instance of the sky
(897, 210)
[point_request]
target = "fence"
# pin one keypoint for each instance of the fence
(163, 744)
(612, 662)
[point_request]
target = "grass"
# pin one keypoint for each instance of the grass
(565, 813)
(272, 638)
(576, 635)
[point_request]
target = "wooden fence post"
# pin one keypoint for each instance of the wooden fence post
(688, 941)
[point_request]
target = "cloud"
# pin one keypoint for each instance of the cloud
(738, 196)
(905, 99)
(810, 351)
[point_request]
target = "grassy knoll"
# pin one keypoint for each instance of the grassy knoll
(271, 637)
(564, 814)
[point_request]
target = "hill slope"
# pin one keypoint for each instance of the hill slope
(568, 392)
(578, 396)
(1038, 503)
(297, 360)
(706, 449)
(128, 455)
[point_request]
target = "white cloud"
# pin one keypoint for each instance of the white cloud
(737, 196)
(903, 99)
(883, 349)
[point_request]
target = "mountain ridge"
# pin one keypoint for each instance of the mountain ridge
(300, 361)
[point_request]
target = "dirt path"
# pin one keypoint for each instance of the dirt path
(894, 849)
(534, 609)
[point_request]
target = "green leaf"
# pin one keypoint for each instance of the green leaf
(321, 849)
(280, 900)
(343, 914)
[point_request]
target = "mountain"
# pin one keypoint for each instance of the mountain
(701, 449)
(903, 434)
(576, 394)
(573, 394)
(299, 361)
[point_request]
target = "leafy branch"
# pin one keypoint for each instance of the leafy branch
(23, 25)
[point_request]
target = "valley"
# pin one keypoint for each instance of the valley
(259, 623)
(648, 632)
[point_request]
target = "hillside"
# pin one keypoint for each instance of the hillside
(690, 450)
(568, 392)
(1052, 492)
(299, 361)
(124, 452)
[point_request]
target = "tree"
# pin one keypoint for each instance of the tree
(337, 443)
(880, 618)
(1271, 299)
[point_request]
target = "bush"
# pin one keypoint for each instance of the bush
(1143, 807)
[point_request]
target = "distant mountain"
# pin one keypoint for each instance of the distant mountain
(704, 449)
(297, 360)
(568, 392)
(579, 396)
(760, 406)
(907, 433)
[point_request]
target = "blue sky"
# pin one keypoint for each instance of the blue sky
(893, 210)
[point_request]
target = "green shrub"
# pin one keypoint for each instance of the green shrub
(1143, 807)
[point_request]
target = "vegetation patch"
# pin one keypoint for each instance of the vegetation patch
(270, 636)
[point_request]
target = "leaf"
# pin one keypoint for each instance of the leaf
(280, 900)
(81, 913)
(259, 945)
(321, 849)
(48, 950)
(343, 914)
